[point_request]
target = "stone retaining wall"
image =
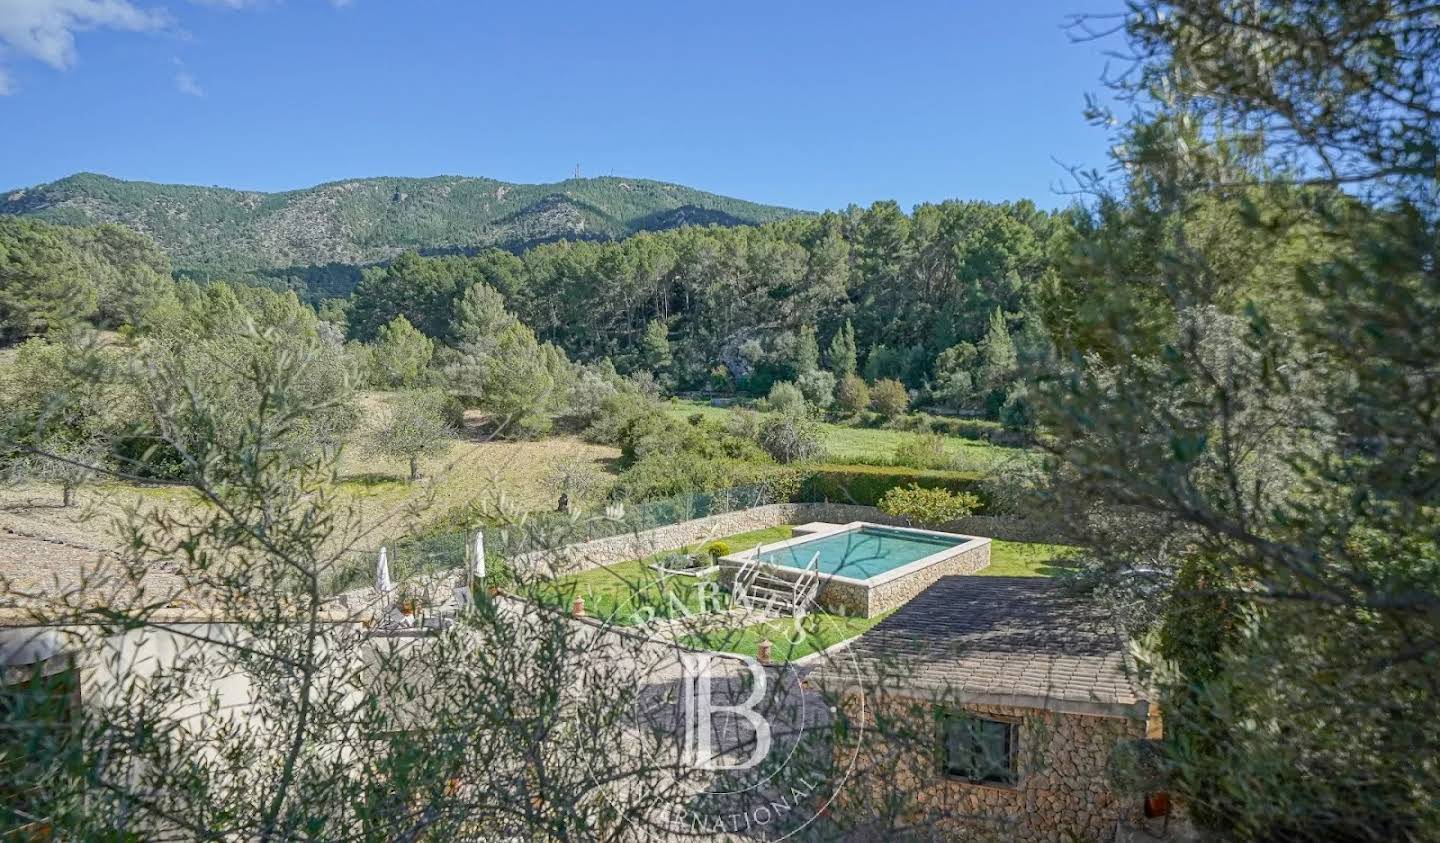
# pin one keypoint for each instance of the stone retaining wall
(640, 544)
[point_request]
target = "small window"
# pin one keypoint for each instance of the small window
(979, 749)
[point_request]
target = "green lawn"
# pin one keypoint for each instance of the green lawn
(1025, 559)
(629, 593)
(872, 445)
(820, 630)
(790, 639)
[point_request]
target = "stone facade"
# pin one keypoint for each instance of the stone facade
(1061, 794)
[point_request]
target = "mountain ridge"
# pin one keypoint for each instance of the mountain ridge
(214, 230)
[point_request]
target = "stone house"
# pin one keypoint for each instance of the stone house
(1001, 701)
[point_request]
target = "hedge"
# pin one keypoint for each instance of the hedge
(865, 484)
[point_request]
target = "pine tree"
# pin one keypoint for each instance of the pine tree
(807, 351)
(655, 348)
(843, 352)
(998, 360)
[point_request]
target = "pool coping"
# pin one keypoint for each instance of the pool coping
(971, 543)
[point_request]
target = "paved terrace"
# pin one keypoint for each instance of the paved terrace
(1016, 641)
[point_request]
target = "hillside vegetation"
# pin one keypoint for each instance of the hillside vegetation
(213, 231)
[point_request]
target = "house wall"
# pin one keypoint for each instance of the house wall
(1062, 793)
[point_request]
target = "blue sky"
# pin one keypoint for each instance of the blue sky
(808, 104)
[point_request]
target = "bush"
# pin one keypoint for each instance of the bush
(715, 550)
(818, 387)
(864, 485)
(979, 430)
(1015, 414)
(744, 424)
(786, 398)
(928, 507)
(852, 396)
(889, 398)
(617, 412)
(924, 450)
(791, 437)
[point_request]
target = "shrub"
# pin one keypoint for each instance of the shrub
(744, 424)
(1015, 414)
(853, 395)
(889, 398)
(927, 507)
(786, 398)
(979, 430)
(617, 412)
(790, 437)
(865, 484)
(924, 450)
(715, 550)
(818, 387)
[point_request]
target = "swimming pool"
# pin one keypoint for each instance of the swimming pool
(863, 553)
(863, 568)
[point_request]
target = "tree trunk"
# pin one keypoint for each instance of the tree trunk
(414, 469)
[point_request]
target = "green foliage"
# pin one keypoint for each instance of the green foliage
(655, 348)
(786, 398)
(865, 485)
(423, 290)
(223, 334)
(500, 367)
(790, 437)
(924, 450)
(928, 507)
(843, 352)
(807, 351)
(717, 549)
(852, 396)
(818, 387)
(889, 398)
(69, 402)
(954, 385)
(414, 426)
(400, 358)
(1244, 435)
(43, 285)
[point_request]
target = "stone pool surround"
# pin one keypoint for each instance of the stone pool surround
(643, 542)
(867, 598)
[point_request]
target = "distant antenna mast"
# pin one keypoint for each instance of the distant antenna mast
(577, 171)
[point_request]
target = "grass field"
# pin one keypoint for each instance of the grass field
(1026, 559)
(872, 445)
(790, 639)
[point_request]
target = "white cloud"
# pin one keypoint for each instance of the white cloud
(44, 30)
(185, 83)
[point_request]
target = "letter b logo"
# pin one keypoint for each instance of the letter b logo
(700, 710)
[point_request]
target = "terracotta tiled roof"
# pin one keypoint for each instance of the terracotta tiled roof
(1025, 641)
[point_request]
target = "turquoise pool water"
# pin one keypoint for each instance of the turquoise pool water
(861, 554)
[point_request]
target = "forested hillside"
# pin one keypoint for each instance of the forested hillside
(295, 236)
(948, 296)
